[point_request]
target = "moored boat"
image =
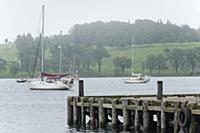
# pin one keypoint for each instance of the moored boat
(21, 80)
(136, 78)
(48, 81)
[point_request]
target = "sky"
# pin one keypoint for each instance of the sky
(23, 16)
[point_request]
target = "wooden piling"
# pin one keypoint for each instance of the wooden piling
(160, 90)
(176, 125)
(192, 128)
(92, 114)
(106, 115)
(158, 122)
(114, 114)
(137, 119)
(145, 117)
(83, 116)
(69, 111)
(125, 114)
(163, 117)
(137, 112)
(75, 113)
(81, 88)
(101, 113)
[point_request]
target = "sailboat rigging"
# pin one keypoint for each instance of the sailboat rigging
(48, 81)
(136, 78)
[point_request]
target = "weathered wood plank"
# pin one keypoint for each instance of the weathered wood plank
(125, 115)
(114, 114)
(69, 111)
(101, 114)
(83, 116)
(145, 117)
(163, 118)
(99, 108)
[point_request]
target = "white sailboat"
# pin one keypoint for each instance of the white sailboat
(48, 81)
(136, 78)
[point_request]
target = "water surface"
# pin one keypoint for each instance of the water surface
(30, 111)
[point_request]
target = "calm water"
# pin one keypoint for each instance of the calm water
(27, 111)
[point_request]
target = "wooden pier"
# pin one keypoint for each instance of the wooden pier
(147, 113)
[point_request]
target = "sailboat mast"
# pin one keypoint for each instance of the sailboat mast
(42, 41)
(145, 65)
(132, 53)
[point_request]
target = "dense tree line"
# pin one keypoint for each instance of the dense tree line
(119, 34)
(187, 60)
(74, 57)
(85, 47)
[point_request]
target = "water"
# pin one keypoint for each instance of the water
(27, 111)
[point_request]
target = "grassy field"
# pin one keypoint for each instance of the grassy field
(10, 53)
(139, 56)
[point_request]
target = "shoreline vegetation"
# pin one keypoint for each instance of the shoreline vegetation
(10, 54)
(102, 49)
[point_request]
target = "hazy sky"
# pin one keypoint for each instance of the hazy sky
(22, 16)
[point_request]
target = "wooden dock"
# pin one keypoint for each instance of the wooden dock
(147, 113)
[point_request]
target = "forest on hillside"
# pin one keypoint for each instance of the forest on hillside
(86, 45)
(119, 34)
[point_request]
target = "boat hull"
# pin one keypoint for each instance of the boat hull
(49, 86)
(21, 80)
(132, 80)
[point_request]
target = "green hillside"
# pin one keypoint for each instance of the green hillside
(140, 53)
(9, 53)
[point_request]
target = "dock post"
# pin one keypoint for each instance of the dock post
(69, 111)
(75, 112)
(192, 122)
(92, 114)
(159, 97)
(137, 118)
(163, 117)
(114, 114)
(176, 125)
(101, 113)
(145, 117)
(125, 114)
(158, 122)
(160, 90)
(82, 113)
(81, 88)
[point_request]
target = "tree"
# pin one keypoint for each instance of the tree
(14, 68)
(88, 58)
(177, 58)
(150, 63)
(160, 62)
(122, 62)
(191, 58)
(99, 53)
(6, 40)
(26, 46)
(2, 64)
